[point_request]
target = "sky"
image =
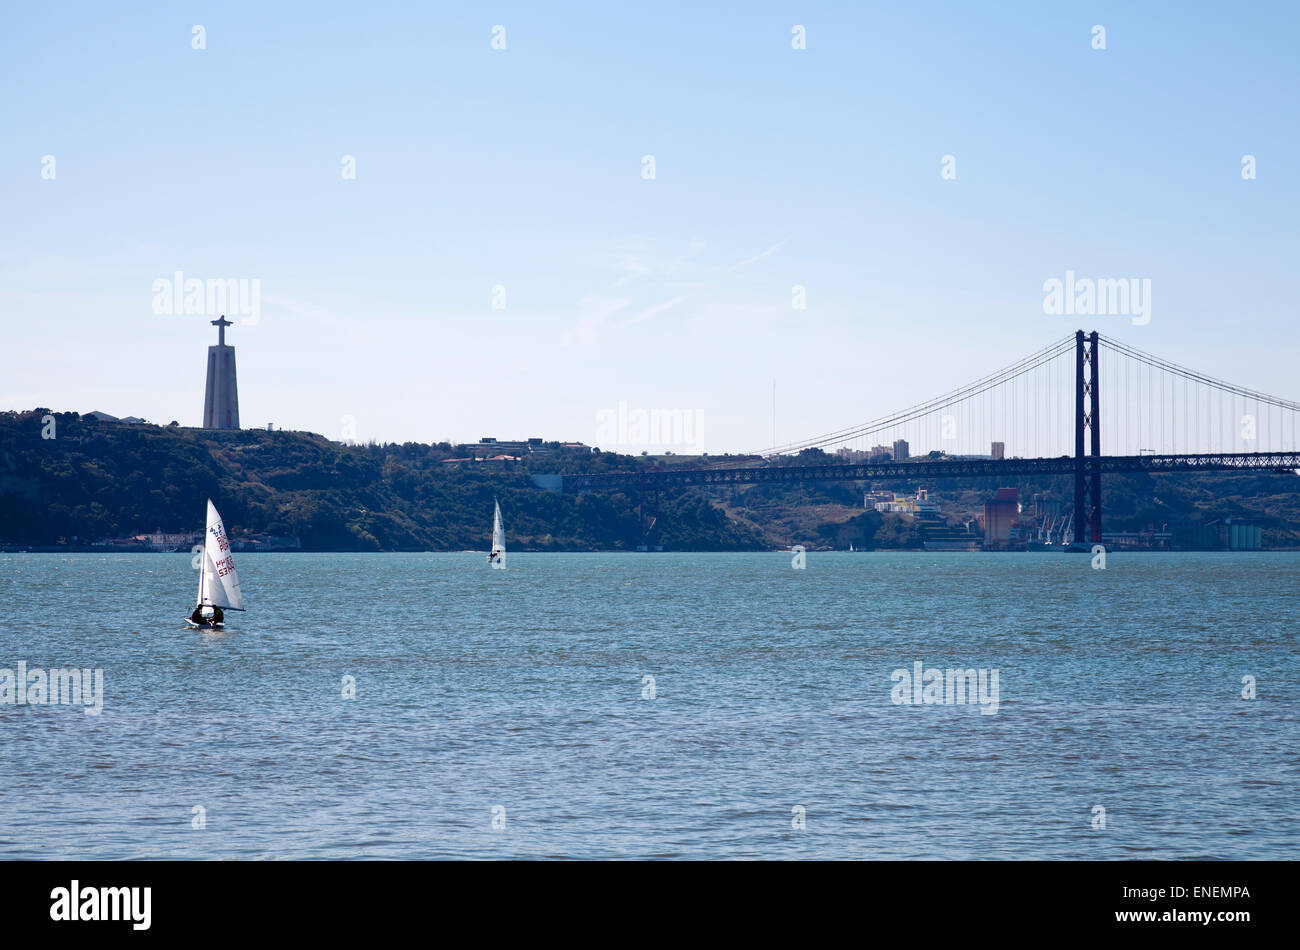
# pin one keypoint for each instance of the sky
(502, 264)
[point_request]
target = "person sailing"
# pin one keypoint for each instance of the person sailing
(216, 617)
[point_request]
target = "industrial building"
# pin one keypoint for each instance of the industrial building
(1000, 514)
(1230, 534)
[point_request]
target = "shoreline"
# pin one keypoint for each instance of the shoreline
(47, 549)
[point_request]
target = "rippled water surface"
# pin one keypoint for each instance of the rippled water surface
(772, 689)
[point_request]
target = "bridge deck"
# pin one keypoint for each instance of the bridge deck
(936, 468)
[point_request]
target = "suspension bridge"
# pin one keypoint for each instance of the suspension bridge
(1048, 408)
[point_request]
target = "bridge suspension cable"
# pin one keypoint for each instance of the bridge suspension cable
(1027, 409)
(948, 400)
(1194, 376)
(1153, 405)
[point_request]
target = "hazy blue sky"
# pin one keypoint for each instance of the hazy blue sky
(522, 168)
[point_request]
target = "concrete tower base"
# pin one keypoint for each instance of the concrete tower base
(221, 398)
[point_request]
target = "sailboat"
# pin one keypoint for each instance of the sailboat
(498, 556)
(218, 582)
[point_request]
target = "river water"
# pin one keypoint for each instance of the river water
(506, 714)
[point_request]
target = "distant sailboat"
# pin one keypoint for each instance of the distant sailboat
(218, 582)
(498, 556)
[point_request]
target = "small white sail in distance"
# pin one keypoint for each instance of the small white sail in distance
(498, 555)
(218, 582)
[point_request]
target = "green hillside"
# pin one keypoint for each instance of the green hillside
(107, 480)
(99, 480)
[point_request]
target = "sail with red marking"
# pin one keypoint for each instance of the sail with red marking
(218, 582)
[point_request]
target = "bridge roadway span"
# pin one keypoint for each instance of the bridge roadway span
(914, 469)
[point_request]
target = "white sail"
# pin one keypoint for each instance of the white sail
(498, 555)
(218, 582)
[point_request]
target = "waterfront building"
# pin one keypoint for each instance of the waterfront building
(1230, 534)
(999, 516)
(161, 541)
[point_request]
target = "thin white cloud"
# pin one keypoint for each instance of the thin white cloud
(298, 307)
(633, 269)
(657, 308)
(758, 257)
(594, 311)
